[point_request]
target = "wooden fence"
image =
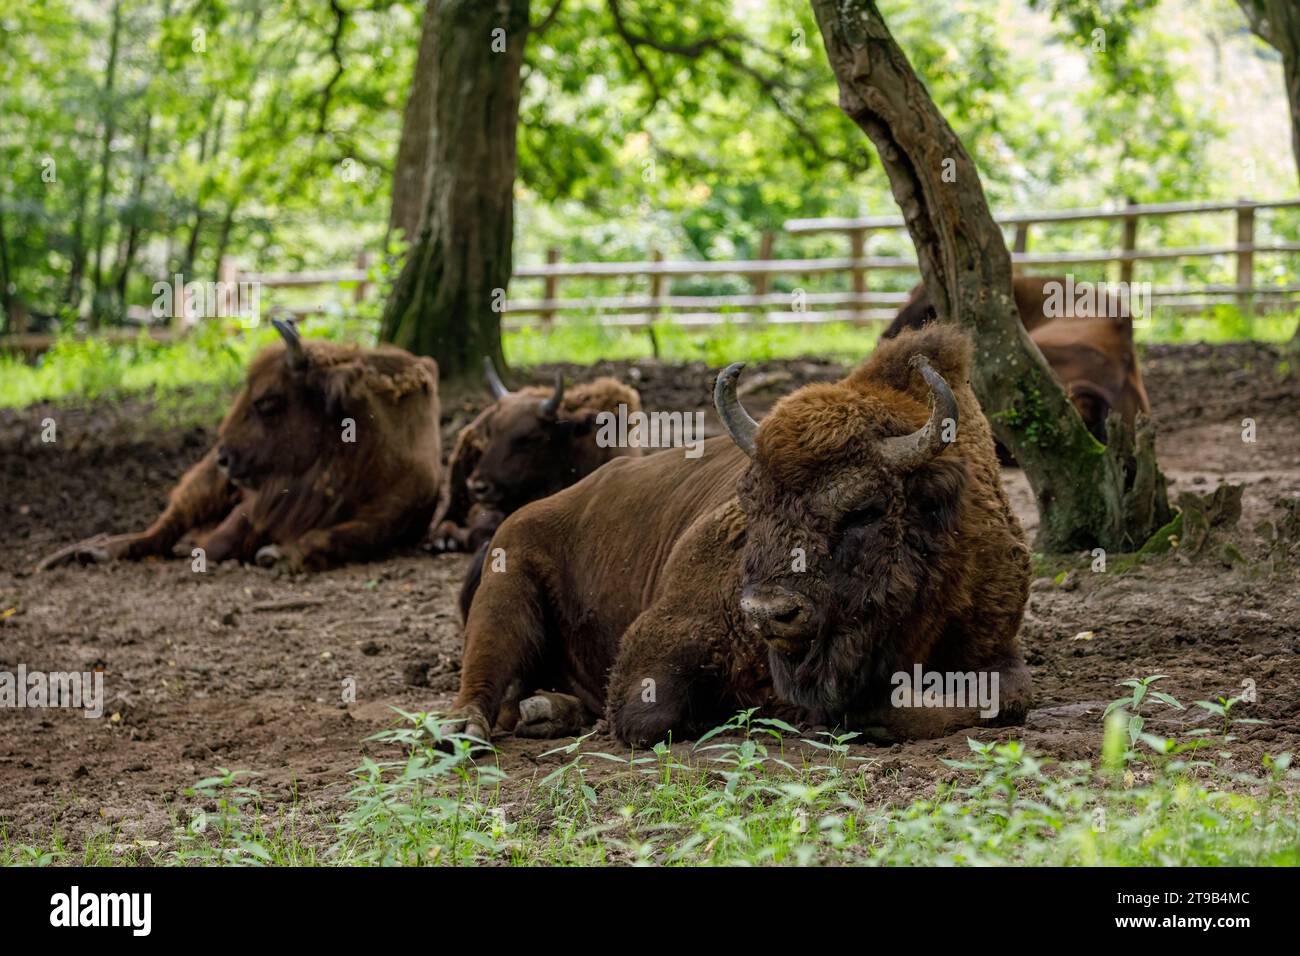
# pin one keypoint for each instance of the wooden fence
(858, 303)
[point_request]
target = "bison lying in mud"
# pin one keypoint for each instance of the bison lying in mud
(330, 453)
(1091, 354)
(526, 445)
(799, 566)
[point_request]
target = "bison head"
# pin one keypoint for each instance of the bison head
(850, 510)
(526, 449)
(280, 423)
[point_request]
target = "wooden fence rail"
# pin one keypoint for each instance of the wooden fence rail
(858, 303)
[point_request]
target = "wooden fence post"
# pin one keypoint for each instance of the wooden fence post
(363, 264)
(227, 287)
(1246, 258)
(550, 288)
(1128, 244)
(858, 249)
(656, 294)
(760, 279)
(1021, 245)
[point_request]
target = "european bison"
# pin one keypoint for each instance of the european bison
(1093, 356)
(526, 445)
(799, 566)
(330, 453)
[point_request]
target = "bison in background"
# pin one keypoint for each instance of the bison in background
(526, 445)
(330, 453)
(1092, 356)
(798, 566)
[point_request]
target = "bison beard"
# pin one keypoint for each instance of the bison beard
(793, 567)
(283, 485)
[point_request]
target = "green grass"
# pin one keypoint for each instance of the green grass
(584, 342)
(215, 357)
(755, 792)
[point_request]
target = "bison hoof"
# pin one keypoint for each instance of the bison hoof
(97, 550)
(443, 540)
(465, 722)
(547, 715)
(268, 556)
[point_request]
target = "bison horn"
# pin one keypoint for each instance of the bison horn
(905, 452)
(294, 355)
(738, 423)
(551, 406)
(499, 389)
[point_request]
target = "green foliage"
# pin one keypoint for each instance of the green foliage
(751, 792)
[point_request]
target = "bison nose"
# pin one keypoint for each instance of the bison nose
(776, 613)
(478, 487)
(223, 458)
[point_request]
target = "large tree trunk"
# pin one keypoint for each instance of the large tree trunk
(411, 173)
(446, 300)
(1087, 494)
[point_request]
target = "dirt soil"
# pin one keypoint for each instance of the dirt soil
(240, 668)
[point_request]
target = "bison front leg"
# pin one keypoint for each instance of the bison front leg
(669, 679)
(505, 633)
(202, 496)
(358, 539)
(912, 716)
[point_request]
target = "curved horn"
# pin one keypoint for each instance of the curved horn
(738, 423)
(498, 387)
(551, 406)
(906, 452)
(294, 355)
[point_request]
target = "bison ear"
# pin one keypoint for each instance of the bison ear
(579, 427)
(934, 494)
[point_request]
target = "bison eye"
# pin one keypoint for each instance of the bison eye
(269, 405)
(863, 517)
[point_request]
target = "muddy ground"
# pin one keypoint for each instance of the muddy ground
(243, 669)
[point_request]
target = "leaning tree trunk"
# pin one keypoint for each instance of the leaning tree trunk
(1088, 495)
(448, 298)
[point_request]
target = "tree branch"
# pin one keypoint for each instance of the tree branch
(545, 23)
(340, 21)
(729, 47)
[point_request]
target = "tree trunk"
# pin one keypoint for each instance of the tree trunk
(1087, 494)
(411, 173)
(6, 301)
(135, 217)
(77, 270)
(105, 161)
(446, 300)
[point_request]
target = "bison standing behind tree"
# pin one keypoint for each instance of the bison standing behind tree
(1088, 345)
(526, 445)
(330, 453)
(798, 566)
